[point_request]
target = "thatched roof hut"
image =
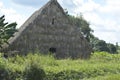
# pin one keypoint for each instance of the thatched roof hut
(49, 30)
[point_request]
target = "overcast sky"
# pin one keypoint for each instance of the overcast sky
(103, 15)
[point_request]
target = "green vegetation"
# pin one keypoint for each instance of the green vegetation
(6, 30)
(101, 65)
(83, 25)
(107, 77)
(87, 32)
(101, 45)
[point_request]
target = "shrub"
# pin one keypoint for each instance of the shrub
(34, 72)
(8, 70)
(3, 70)
(3, 73)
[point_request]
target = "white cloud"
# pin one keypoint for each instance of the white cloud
(34, 3)
(11, 15)
(109, 37)
(93, 18)
(82, 6)
(1, 4)
(104, 18)
(78, 2)
(111, 6)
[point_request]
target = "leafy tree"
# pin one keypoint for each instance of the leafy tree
(83, 25)
(112, 48)
(101, 45)
(6, 30)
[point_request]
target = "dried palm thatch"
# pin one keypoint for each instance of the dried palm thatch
(49, 30)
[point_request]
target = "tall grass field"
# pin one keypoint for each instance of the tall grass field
(100, 66)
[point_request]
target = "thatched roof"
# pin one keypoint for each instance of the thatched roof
(49, 30)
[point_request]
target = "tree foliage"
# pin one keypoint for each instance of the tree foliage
(6, 30)
(112, 48)
(96, 43)
(101, 45)
(83, 25)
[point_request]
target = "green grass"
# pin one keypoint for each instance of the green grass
(106, 77)
(101, 66)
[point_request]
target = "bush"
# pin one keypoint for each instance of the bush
(34, 72)
(8, 70)
(3, 70)
(3, 73)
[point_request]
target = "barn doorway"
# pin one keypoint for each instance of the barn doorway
(52, 50)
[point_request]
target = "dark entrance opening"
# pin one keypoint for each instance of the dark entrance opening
(5, 56)
(53, 21)
(52, 50)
